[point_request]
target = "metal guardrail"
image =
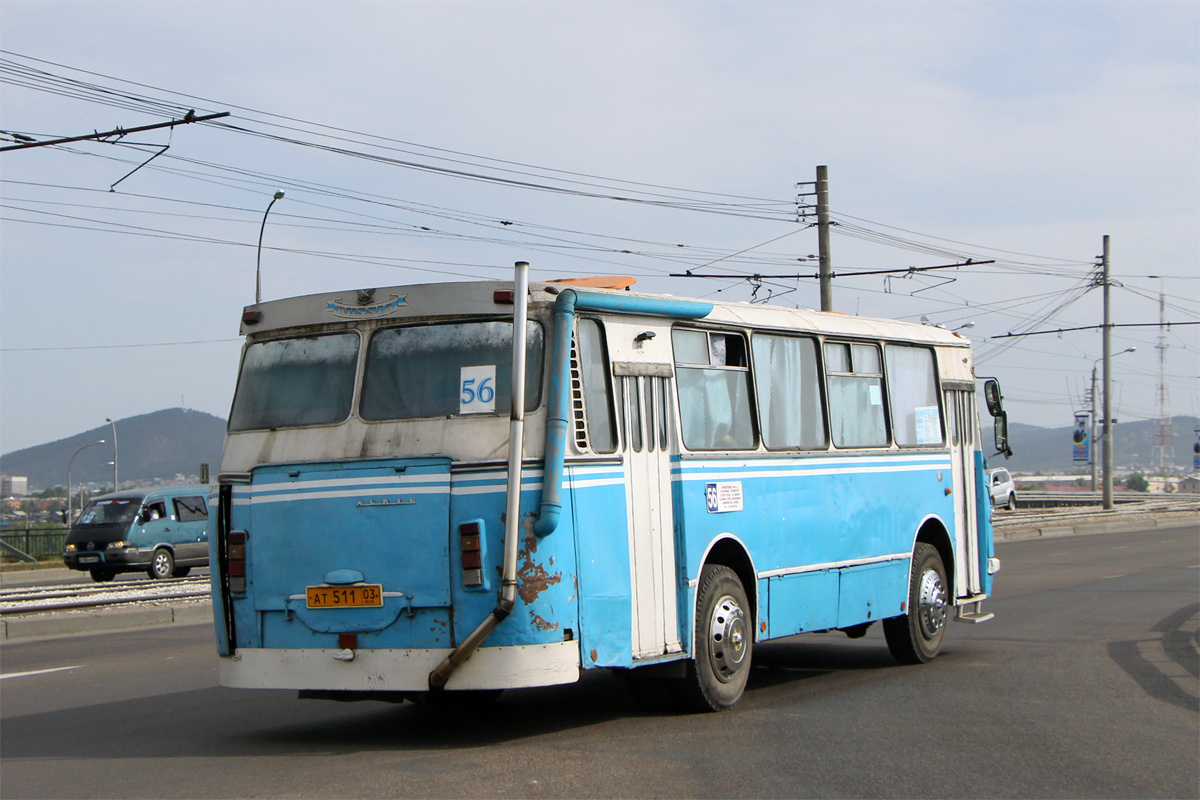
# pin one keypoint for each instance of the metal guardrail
(35, 543)
(1029, 499)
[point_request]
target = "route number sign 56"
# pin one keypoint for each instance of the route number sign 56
(477, 390)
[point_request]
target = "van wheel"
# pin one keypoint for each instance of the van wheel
(1012, 502)
(916, 637)
(103, 575)
(163, 564)
(724, 640)
(180, 572)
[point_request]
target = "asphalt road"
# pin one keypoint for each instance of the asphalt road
(1087, 684)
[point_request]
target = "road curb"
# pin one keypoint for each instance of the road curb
(1116, 526)
(47, 626)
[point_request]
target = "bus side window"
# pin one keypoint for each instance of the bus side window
(913, 396)
(855, 385)
(788, 392)
(713, 380)
(596, 384)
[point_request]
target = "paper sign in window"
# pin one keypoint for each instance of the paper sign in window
(477, 390)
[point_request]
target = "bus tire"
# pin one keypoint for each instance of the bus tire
(723, 643)
(162, 564)
(103, 575)
(916, 637)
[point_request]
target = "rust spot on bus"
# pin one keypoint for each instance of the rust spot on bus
(533, 576)
(541, 624)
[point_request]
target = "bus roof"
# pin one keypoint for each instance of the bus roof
(430, 300)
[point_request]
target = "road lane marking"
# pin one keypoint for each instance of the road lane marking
(37, 672)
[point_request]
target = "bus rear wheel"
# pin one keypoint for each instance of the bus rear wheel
(722, 649)
(916, 637)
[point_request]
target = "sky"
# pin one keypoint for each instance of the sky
(420, 142)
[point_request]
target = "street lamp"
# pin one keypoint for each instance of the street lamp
(1093, 433)
(258, 267)
(116, 482)
(70, 516)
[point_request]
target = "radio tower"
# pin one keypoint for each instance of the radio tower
(1165, 437)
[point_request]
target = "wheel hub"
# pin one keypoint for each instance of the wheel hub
(727, 634)
(931, 601)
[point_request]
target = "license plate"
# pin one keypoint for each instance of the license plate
(89, 559)
(368, 595)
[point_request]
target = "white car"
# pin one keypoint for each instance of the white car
(1002, 490)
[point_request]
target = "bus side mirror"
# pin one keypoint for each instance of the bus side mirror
(993, 398)
(1002, 435)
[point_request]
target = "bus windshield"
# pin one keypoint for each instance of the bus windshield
(284, 383)
(447, 370)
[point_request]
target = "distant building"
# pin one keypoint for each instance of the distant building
(13, 486)
(1190, 485)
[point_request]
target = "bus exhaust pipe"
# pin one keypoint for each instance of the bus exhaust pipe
(512, 520)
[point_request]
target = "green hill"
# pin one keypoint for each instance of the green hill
(159, 445)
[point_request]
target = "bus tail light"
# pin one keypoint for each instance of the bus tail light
(236, 561)
(470, 540)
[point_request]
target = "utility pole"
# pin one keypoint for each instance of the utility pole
(826, 272)
(1106, 440)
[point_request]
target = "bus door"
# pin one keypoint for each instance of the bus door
(644, 395)
(960, 411)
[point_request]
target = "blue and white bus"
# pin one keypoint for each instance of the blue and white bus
(409, 502)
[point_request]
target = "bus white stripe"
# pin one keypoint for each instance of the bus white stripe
(853, 562)
(802, 473)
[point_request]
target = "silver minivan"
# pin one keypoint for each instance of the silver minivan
(160, 531)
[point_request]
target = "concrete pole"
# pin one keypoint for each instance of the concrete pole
(1107, 436)
(826, 271)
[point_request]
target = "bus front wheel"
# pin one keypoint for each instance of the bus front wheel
(916, 637)
(722, 648)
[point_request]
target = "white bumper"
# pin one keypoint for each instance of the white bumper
(400, 670)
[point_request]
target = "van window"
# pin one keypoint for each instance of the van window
(154, 511)
(190, 509)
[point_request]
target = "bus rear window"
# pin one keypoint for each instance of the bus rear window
(447, 370)
(285, 383)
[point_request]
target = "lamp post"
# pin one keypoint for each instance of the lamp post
(70, 516)
(258, 266)
(1093, 433)
(116, 481)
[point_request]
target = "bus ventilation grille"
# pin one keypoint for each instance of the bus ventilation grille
(577, 409)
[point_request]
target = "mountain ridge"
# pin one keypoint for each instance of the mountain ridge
(154, 446)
